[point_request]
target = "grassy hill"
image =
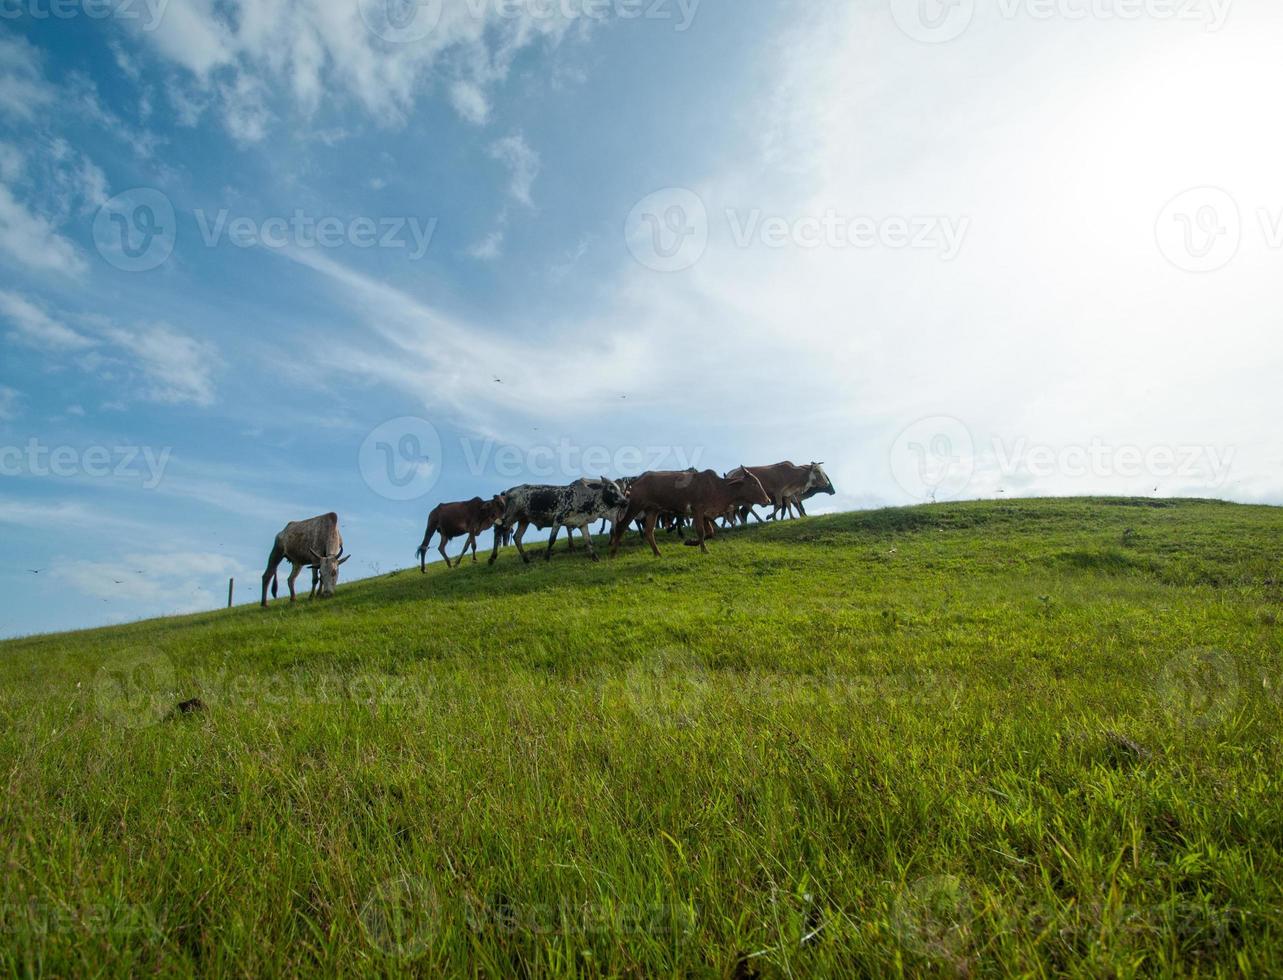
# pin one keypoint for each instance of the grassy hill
(1034, 736)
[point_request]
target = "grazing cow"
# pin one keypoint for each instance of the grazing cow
(703, 497)
(314, 543)
(575, 506)
(786, 484)
(470, 517)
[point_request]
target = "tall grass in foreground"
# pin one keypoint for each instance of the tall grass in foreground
(1037, 737)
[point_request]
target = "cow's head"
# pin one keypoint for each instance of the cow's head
(493, 509)
(328, 567)
(747, 488)
(818, 480)
(612, 495)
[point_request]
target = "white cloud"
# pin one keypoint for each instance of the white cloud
(309, 50)
(470, 102)
(33, 241)
(36, 328)
(57, 515)
(522, 163)
(177, 581)
(11, 163)
(177, 368)
(174, 367)
(455, 361)
(9, 399)
(245, 111)
(489, 248)
(24, 92)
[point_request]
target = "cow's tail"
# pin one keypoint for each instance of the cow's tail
(273, 585)
(427, 537)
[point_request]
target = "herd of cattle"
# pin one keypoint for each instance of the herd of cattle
(669, 499)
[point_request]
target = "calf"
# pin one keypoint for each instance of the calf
(703, 497)
(575, 506)
(314, 543)
(470, 517)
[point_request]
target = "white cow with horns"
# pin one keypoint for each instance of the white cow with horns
(315, 543)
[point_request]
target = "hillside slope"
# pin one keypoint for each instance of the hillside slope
(1029, 735)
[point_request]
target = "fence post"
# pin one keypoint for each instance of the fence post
(231, 584)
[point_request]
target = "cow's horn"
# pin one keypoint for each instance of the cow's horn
(315, 555)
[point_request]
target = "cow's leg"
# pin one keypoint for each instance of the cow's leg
(702, 529)
(570, 538)
(472, 540)
(516, 539)
(269, 576)
(648, 531)
(499, 535)
(294, 570)
(617, 532)
(316, 581)
(441, 543)
(552, 539)
(588, 542)
(800, 509)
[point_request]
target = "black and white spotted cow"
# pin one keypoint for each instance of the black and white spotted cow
(575, 506)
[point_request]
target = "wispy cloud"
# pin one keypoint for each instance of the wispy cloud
(33, 241)
(10, 400)
(34, 327)
(24, 92)
(522, 163)
(470, 102)
(172, 367)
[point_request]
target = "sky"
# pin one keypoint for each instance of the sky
(264, 260)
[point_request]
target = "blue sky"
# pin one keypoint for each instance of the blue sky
(952, 250)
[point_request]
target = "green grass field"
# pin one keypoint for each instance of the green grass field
(1031, 737)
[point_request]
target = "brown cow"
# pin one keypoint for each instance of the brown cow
(470, 517)
(315, 542)
(788, 484)
(701, 496)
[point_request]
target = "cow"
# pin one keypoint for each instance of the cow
(314, 543)
(787, 486)
(703, 497)
(625, 484)
(575, 506)
(470, 517)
